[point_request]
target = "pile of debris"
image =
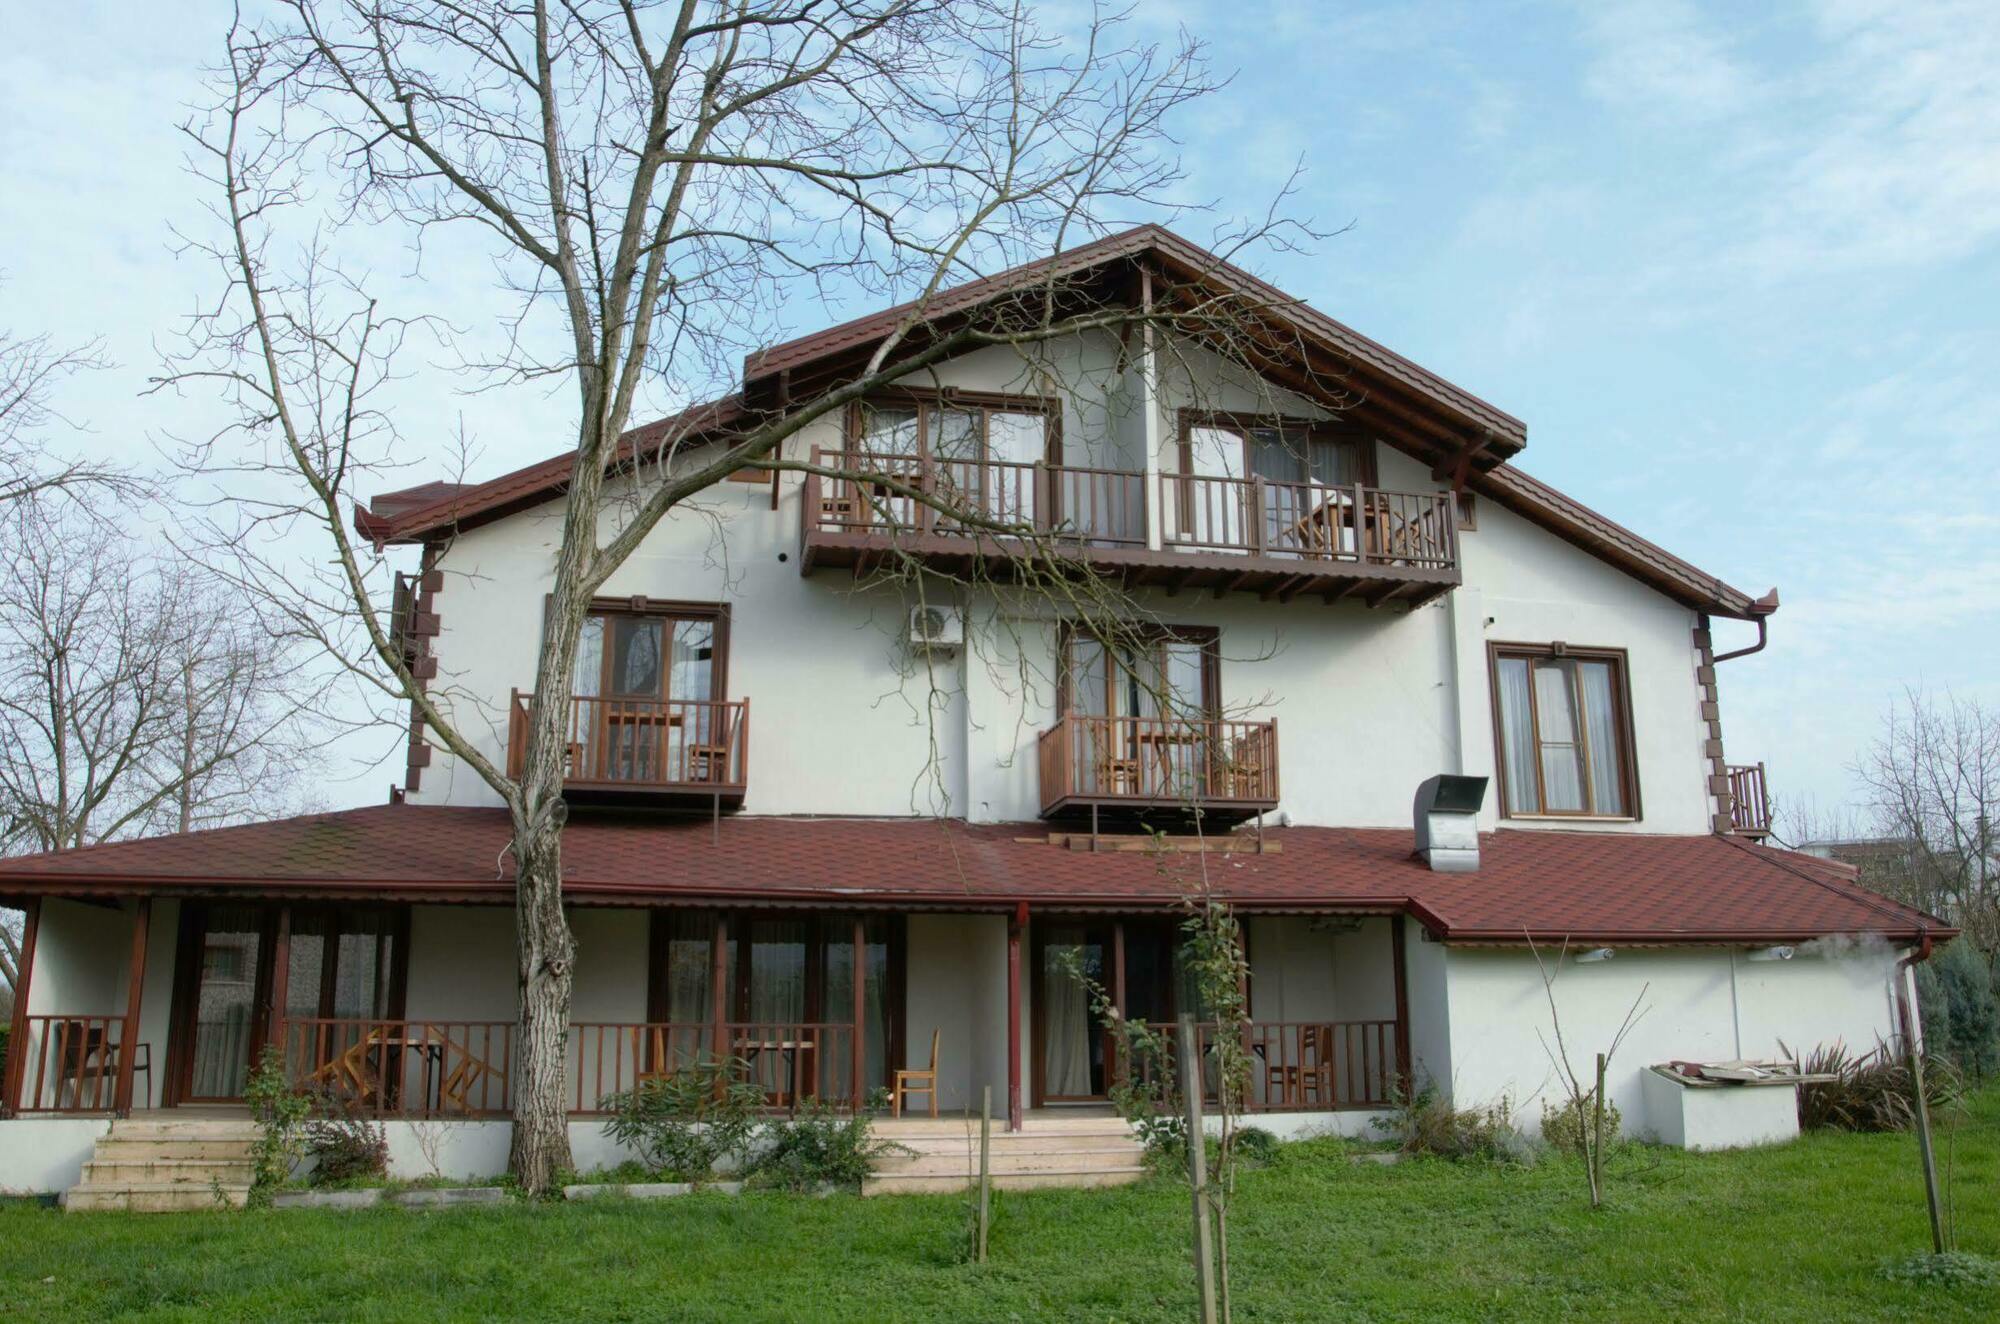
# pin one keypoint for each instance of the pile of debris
(1713, 1075)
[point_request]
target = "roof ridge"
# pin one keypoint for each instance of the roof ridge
(1882, 905)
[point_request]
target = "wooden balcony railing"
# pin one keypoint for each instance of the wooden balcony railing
(1312, 1066)
(1357, 525)
(1165, 762)
(1749, 800)
(68, 1064)
(691, 745)
(1361, 525)
(420, 1069)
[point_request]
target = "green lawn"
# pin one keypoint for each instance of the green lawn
(1794, 1233)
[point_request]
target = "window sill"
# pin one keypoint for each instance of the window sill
(1568, 818)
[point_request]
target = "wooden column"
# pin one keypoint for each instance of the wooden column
(859, 1046)
(1403, 1065)
(1014, 929)
(281, 977)
(719, 987)
(1118, 991)
(17, 1037)
(135, 986)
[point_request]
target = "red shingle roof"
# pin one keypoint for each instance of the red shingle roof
(1584, 885)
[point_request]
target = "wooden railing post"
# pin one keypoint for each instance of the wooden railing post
(1360, 524)
(859, 1056)
(719, 989)
(1257, 499)
(128, 1037)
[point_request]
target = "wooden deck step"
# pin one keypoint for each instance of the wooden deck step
(152, 1197)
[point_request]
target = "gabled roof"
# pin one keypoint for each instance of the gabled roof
(1582, 886)
(1446, 418)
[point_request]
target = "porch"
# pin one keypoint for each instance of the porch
(406, 1012)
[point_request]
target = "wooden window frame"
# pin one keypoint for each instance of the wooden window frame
(1207, 637)
(672, 609)
(1628, 765)
(954, 398)
(1312, 429)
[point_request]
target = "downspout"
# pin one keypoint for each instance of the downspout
(1906, 989)
(1760, 611)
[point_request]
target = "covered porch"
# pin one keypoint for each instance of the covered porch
(407, 1010)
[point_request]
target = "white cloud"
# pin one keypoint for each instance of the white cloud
(1664, 60)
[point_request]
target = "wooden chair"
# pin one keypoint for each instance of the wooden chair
(916, 1080)
(462, 1070)
(1308, 1080)
(350, 1075)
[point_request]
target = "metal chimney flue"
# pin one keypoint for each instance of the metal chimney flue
(1447, 822)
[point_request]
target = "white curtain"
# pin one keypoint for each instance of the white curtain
(1065, 1019)
(1518, 736)
(1600, 725)
(1562, 756)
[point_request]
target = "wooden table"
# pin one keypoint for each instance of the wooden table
(1318, 531)
(800, 1049)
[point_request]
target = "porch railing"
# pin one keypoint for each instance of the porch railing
(1749, 800)
(67, 1064)
(1158, 759)
(403, 1068)
(1310, 1066)
(645, 744)
(1357, 524)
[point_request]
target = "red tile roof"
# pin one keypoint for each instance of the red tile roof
(1582, 885)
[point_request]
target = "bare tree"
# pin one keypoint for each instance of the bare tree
(133, 697)
(31, 368)
(1933, 781)
(1585, 1101)
(656, 182)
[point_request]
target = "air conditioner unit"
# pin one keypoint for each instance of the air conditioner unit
(939, 629)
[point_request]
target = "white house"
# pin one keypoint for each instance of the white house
(821, 729)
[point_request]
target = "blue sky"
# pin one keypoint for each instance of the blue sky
(1735, 265)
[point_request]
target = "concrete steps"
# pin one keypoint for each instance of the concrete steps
(944, 1156)
(164, 1165)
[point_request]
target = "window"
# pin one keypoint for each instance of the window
(1221, 453)
(1161, 673)
(981, 449)
(1564, 727)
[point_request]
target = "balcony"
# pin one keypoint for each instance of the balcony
(1749, 801)
(1278, 539)
(1221, 770)
(691, 752)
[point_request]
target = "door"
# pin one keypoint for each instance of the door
(791, 981)
(1148, 702)
(224, 1020)
(344, 972)
(1133, 963)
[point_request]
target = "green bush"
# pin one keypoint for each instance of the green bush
(820, 1146)
(1565, 1126)
(1256, 1144)
(280, 1113)
(1961, 1015)
(1872, 1092)
(1426, 1123)
(685, 1124)
(345, 1147)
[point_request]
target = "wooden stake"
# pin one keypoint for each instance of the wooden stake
(985, 1164)
(1924, 1144)
(1597, 1138)
(1197, 1149)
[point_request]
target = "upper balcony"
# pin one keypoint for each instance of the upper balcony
(1222, 770)
(1749, 800)
(1184, 530)
(686, 753)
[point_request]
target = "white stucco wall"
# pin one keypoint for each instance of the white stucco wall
(1499, 1016)
(830, 680)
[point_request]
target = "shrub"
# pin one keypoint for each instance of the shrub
(1871, 1092)
(1961, 1015)
(1256, 1144)
(685, 1124)
(820, 1146)
(1951, 1269)
(1426, 1123)
(1565, 1126)
(280, 1113)
(345, 1147)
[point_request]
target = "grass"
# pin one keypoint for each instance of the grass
(1802, 1231)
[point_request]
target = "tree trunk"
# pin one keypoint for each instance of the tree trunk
(547, 953)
